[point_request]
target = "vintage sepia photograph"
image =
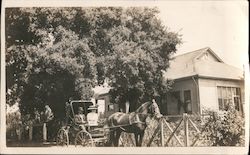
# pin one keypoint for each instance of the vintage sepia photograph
(111, 76)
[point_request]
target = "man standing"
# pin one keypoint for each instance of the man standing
(48, 113)
(48, 117)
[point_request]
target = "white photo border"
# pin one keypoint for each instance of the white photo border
(102, 150)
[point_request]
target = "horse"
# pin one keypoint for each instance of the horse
(134, 122)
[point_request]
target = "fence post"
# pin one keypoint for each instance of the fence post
(30, 132)
(162, 133)
(185, 119)
(19, 133)
(154, 134)
(44, 132)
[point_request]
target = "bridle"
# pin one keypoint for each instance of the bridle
(148, 107)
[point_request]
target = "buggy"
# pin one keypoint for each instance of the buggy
(81, 134)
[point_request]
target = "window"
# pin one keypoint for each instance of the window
(111, 107)
(227, 96)
(205, 56)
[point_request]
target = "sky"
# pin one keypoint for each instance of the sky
(220, 25)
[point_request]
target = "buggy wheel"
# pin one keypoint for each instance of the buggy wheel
(62, 138)
(84, 138)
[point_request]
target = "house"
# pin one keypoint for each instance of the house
(102, 99)
(203, 80)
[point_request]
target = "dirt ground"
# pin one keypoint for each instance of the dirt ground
(30, 144)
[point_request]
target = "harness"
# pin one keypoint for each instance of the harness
(133, 119)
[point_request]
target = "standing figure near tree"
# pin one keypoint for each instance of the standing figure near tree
(48, 114)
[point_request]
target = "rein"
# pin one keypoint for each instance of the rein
(120, 126)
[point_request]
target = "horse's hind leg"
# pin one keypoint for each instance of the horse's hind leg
(111, 138)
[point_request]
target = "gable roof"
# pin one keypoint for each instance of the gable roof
(189, 64)
(101, 90)
(212, 53)
(187, 57)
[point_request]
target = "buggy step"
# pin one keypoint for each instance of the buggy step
(97, 135)
(99, 139)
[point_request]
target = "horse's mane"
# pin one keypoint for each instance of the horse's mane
(146, 104)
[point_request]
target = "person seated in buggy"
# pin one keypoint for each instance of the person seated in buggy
(80, 118)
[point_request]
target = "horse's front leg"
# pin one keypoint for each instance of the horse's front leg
(136, 139)
(141, 135)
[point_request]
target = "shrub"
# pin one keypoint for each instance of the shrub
(13, 122)
(226, 129)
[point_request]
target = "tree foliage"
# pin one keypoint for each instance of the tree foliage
(56, 53)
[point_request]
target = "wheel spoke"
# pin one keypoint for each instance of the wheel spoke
(83, 139)
(62, 137)
(78, 140)
(82, 136)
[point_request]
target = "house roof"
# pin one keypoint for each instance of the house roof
(191, 64)
(101, 90)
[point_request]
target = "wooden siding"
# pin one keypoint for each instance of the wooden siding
(209, 94)
(187, 84)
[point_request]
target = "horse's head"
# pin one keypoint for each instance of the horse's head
(150, 108)
(145, 108)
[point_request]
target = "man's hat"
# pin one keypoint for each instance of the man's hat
(92, 107)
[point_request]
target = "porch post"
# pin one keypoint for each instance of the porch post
(185, 119)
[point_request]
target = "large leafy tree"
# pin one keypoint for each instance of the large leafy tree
(55, 53)
(135, 49)
(57, 66)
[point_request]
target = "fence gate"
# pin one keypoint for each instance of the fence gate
(186, 120)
